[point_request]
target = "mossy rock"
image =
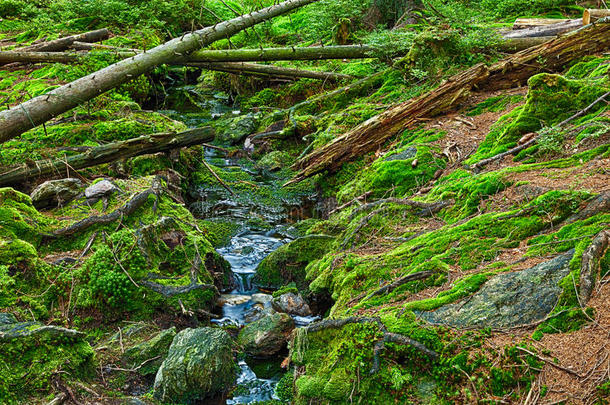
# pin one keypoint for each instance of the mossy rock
(199, 364)
(287, 263)
(37, 350)
(155, 348)
(267, 336)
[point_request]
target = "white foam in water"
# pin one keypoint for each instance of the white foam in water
(259, 389)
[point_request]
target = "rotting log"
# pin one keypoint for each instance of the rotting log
(592, 15)
(40, 109)
(513, 71)
(546, 30)
(522, 23)
(512, 45)
(590, 266)
(289, 53)
(64, 43)
(111, 152)
(269, 70)
(39, 57)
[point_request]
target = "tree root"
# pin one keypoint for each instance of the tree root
(590, 266)
(479, 165)
(601, 203)
(388, 337)
(129, 208)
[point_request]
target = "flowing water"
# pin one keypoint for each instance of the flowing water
(247, 248)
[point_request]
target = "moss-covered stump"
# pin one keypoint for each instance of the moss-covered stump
(287, 264)
(199, 364)
(31, 354)
(267, 336)
(146, 357)
(508, 300)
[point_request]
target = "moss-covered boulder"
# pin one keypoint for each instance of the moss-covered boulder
(39, 351)
(508, 300)
(267, 336)
(56, 192)
(199, 364)
(287, 264)
(150, 354)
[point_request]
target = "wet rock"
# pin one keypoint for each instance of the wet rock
(408, 153)
(7, 319)
(199, 364)
(291, 303)
(150, 354)
(267, 336)
(287, 263)
(100, 189)
(22, 330)
(508, 300)
(274, 161)
(56, 192)
(262, 298)
(231, 299)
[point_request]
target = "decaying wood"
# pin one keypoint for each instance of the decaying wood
(111, 152)
(521, 23)
(546, 30)
(590, 266)
(38, 57)
(388, 337)
(510, 72)
(592, 15)
(40, 109)
(268, 70)
(512, 45)
(64, 43)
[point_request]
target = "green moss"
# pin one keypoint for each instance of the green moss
(550, 99)
(494, 104)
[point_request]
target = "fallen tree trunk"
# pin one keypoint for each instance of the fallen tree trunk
(291, 53)
(509, 72)
(268, 70)
(64, 43)
(38, 57)
(512, 45)
(546, 30)
(522, 23)
(111, 152)
(592, 15)
(40, 109)
(85, 46)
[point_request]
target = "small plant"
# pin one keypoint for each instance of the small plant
(551, 139)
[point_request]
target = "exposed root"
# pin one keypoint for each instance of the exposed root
(590, 266)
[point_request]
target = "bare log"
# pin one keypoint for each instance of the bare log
(111, 152)
(64, 43)
(512, 45)
(290, 53)
(546, 30)
(85, 46)
(269, 70)
(40, 109)
(37, 57)
(592, 15)
(510, 72)
(522, 23)
(590, 266)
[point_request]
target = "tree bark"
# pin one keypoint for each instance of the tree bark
(111, 152)
(269, 70)
(546, 30)
(64, 43)
(592, 15)
(38, 57)
(522, 23)
(509, 72)
(590, 266)
(512, 45)
(290, 53)
(40, 109)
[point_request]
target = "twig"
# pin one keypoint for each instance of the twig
(218, 178)
(550, 362)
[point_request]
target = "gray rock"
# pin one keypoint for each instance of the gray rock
(238, 128)
(509, 299)
(150, 354)
(7, 319)
(408, 153)
(100, 189)
(292, 304)
(267, 336)
(199, 364)
(56, 192)
(261, 298)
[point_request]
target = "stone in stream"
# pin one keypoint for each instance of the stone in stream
(292, 304)
(56, 192)
(263, 299)
(199, 364)
(267, 336)
(508, 300)
(150, 354)
(233, 299)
